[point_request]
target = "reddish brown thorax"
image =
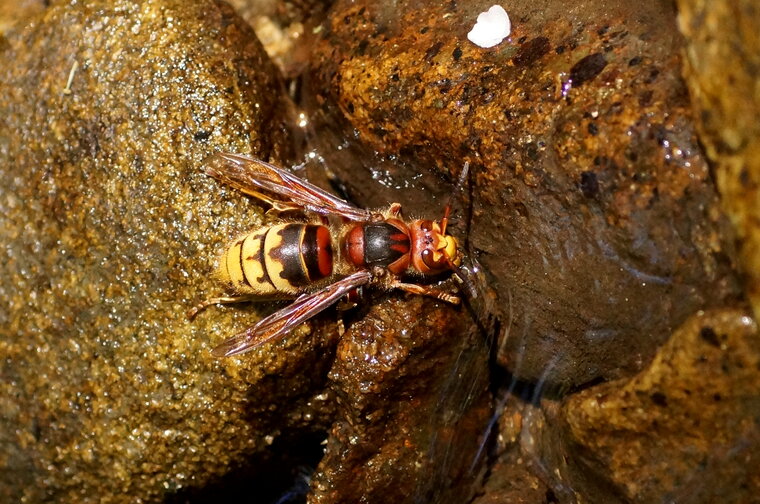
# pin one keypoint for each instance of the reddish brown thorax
(385, 244)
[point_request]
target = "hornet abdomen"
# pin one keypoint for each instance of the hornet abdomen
(284, 258)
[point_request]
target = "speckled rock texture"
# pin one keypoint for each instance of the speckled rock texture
(595, 219)
(109, 232)
(594, 214)
(610, 354)
(683, 430)
(722, 68)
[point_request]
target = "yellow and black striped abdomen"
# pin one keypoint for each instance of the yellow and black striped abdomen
(285, 258)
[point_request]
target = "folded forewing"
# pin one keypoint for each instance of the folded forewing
(282, 321)
(251, 176)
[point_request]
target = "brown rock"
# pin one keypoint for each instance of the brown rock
(594, 214)
(516, 474)
(11, 13)
(722, 68)
(684, 429)
(412, 387)
(513, 480)
(280, 25)
(110, 233)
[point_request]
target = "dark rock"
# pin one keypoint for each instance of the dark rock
(685, 429)
(594, 218)
(411, 380)
(590, 275)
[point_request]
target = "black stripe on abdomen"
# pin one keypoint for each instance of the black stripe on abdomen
(240, 261)
(262, 260)
(288, 255)
(317, 253)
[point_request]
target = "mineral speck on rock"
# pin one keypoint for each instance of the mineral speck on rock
(491, 27)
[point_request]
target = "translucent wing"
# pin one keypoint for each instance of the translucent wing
(280, 322)
(251, 176)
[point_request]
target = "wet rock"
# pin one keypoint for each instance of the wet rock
(722, 69)
(685, 429)
(280, 26)
(110, 232)
(593, 211)
(514, 481)
(593, 214)
(516, 474)
(12, 12)
(411, 382)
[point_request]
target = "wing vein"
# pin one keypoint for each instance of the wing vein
(282, 321)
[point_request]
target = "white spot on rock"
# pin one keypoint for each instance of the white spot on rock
(491, 28)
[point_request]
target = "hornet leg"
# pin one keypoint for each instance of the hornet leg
(220, 300)
(426, 291)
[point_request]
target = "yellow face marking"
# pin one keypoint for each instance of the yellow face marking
(451, 250)
(440, 241)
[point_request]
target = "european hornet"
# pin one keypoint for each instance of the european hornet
(318, 262)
